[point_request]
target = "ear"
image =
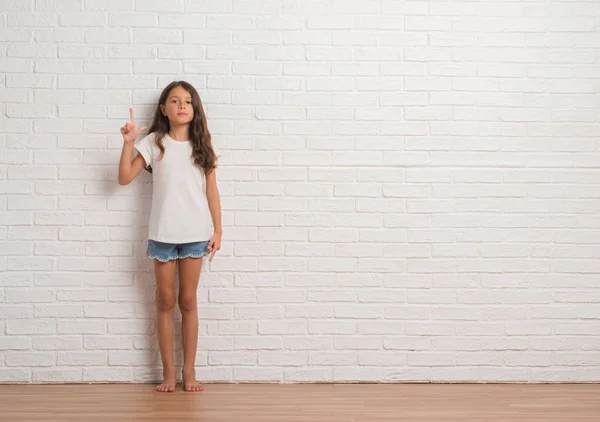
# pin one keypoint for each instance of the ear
(162, 110)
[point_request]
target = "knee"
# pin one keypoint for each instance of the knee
(187, 303)
(166, 302)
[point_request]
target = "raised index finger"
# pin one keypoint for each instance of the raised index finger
(131, 116)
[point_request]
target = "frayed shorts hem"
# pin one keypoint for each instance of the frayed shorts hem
(172, 258)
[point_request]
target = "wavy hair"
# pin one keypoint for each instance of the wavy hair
(199, 135)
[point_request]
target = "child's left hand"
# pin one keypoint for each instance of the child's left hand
(214, 245)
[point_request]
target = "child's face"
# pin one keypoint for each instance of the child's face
(178, 107)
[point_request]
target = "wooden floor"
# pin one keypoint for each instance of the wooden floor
(303, 402)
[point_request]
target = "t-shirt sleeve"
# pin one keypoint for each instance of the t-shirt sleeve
(144, 147)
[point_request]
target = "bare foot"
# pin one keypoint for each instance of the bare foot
(169, 382)
(189, 381)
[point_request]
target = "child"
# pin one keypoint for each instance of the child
(179, 153)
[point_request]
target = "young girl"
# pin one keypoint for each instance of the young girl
(180, 155)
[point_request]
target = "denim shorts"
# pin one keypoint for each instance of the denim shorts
(168, 251)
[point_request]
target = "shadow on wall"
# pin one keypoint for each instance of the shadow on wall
(138, 358)
(144, 326)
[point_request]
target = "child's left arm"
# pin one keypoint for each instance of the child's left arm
(214, 204)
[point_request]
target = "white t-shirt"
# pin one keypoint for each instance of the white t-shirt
(180, 212)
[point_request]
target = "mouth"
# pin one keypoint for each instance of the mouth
(182, 114)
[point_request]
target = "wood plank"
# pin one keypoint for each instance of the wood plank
(302, 402)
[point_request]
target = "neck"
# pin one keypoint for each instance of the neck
(180, 133)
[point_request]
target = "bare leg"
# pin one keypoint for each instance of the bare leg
(189, 275)
(165, 281)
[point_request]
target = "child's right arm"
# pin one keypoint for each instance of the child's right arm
(128, 169)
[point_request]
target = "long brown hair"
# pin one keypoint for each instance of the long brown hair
(199, 135)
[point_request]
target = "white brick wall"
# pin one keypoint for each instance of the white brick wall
(410, 189)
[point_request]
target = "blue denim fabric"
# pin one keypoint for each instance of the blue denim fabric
(168, 251)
